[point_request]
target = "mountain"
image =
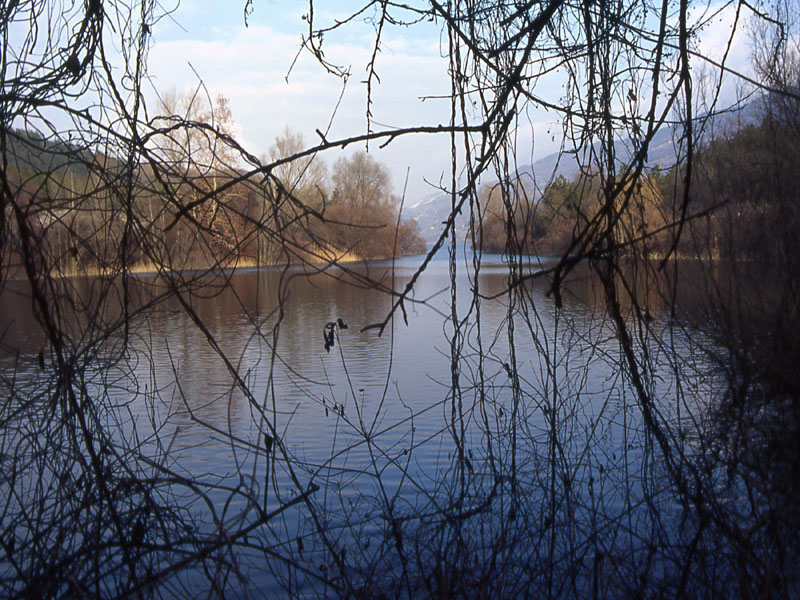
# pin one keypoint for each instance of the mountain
(30, 153)
(662, 153)
(430, 213)
(433, 209)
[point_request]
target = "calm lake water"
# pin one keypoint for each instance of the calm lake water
(370, 419)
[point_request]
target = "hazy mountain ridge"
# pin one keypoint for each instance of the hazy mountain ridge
(432, 210)
(663, 152)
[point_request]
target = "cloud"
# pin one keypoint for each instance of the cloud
(721, 34)
(251, 67)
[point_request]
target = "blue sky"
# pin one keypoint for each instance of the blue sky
(208, 39)
(249, 65)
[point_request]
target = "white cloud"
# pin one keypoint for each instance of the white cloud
(723, 38)
(250, 69)
(249, 66)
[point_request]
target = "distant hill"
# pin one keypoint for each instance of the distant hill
(430, 213)
(30, 153)
(662, 153)
(432, 210)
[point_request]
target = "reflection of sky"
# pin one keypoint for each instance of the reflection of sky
(404, 371)
(396, 387)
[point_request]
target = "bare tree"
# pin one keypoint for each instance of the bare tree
(307, 177)
(361, 183)
(532, 497)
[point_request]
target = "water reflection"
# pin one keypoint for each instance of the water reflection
(372, 417)
(265, 329)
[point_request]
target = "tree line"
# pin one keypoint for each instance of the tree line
(70, 193)
(742, 203)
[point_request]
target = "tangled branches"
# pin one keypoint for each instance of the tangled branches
(628, 483)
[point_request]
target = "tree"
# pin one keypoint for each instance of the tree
(94, 506)
(361, 184)
(305, 178)
(510, 220)
(196, 150)
(364, 211)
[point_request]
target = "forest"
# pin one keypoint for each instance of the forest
(68, 192)
(742, 198)
(234, 373)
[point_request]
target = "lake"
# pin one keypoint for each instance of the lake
(482, 439)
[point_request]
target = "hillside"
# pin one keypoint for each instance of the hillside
(432, 210)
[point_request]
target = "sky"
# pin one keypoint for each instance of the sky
(206, 41)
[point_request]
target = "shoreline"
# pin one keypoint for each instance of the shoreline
(144, 269)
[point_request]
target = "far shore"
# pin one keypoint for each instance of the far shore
(148, 268)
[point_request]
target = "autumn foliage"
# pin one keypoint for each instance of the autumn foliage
(193, 210)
